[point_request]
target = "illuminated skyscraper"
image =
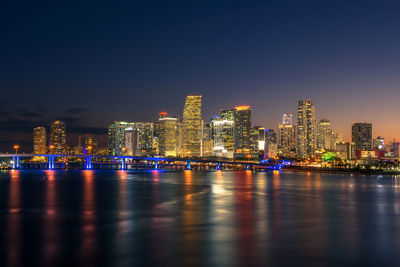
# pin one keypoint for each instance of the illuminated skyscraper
(287, 136)
(270, 146)
(39, 140)
(223, 137)
(228, 114)
(116, 137)
(90, 144)
(287, 119)
(325, 137)
(257, 137)
(362, 136)
(379, 143)
(58, 141)
(242, 128)
(145, 137)
(87, 145)
(130, 138)
(167, 130)
(192, 126)
(306, 129)
(179, 138)
(131, 146)
(207, 143)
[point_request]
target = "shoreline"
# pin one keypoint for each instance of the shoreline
(340, 171)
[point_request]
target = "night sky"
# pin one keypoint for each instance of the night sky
(90, 63)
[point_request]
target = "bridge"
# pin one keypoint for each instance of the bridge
(122, 162)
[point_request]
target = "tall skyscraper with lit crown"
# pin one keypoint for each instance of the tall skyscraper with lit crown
(192, 132)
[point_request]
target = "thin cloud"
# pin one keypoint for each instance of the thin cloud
(77, 110)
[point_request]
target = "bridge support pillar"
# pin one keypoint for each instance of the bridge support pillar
(88, 163)
(51, 162)
(122, 163)
(219, 166)
(14, 162)
(156, 165)
(247, 167)
(188, 167)
(17, 165)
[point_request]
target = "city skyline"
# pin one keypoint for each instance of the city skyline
(101, 133)
(229, 135)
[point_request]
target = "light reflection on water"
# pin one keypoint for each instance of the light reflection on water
(243, 218)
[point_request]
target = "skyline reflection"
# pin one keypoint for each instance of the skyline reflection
(240, 218)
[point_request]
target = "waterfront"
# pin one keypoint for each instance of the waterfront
(241, 218)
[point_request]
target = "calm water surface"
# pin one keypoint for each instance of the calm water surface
(124, 218)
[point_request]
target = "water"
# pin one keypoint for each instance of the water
(123, 218)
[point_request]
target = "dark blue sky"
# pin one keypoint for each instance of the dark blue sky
(90, 63)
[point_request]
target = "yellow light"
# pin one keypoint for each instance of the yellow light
(242, 107)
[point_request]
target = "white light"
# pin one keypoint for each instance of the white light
(261, 145)
(222, 122)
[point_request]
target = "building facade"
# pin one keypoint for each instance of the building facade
(270, 147)
(257, 137)
(167, 132)
(116, 137)
(242, 129)
(287, 136)
(306, 129)
(58, 138)
(39, 140)
(325, 136)
(223, 140)
(361, 134)
(192, 132)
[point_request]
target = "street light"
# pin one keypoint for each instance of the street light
(16, 147)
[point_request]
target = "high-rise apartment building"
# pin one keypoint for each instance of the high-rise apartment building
(207, 143)
(145, 137)
(287, 136)
(270, 146)
(242, 129)
(58, 140)
(325, 136)
(306, 129)
(362, 136)
(39, 140)
(223, 139)
(116, 137)
(138, 139)
(257, 137)
(287, 119)
(167, 130)
(192, 132)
